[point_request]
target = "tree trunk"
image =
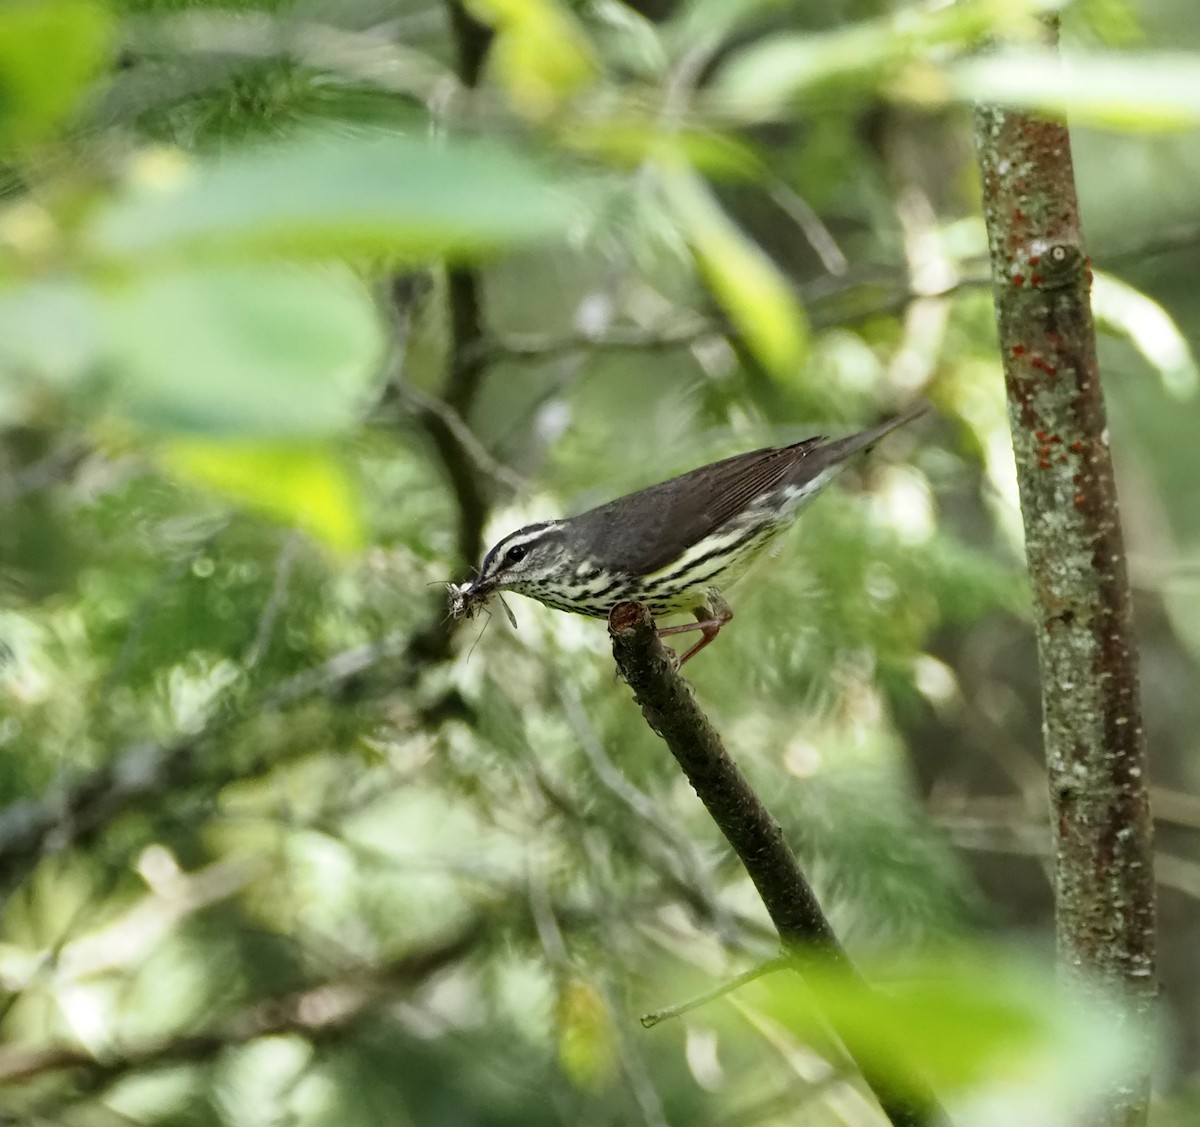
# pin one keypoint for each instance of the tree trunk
(1095, 751)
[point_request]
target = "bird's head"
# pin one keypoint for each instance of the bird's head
(526, 561)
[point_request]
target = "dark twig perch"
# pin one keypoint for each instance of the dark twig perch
(671, 711)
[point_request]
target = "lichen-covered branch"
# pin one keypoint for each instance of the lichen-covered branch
(672, 712)
(1095, 750)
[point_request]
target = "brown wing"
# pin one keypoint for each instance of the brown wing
(645, 531)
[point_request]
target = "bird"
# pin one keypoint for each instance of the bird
(675, 546)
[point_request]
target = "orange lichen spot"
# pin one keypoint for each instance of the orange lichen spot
(1018, 279)
(1076, 447)
(1035, 280)
(1018, 350)
(1034, 259)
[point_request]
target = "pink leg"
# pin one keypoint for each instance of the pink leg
(709, 622)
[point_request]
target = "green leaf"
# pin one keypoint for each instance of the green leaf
(966, 1024)
(263, 350)
(1129, 313)
(712, 21)
(541, 54)
(586, 1047)
(326, 195)
(303, 484)
(278, 351)
(50, 330)
(764, 79)
(49, 52)
(1115, 91)
(743, 279)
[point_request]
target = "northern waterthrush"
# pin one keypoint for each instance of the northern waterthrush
(674, 546)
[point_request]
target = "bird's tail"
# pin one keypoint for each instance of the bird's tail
(841, 448)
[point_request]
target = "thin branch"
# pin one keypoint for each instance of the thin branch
(650, 1020)
(1018, 837)
(819, 237)
(672, 713)
(316, 1012)
(424, 405)
(273, 607)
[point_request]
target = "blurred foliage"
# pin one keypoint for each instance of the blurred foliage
(295, 306)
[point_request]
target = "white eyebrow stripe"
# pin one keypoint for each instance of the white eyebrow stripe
(530, 534)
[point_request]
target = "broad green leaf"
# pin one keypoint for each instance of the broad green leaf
(1129, 313)
(743, 279)
(1115, 91)
(968, 1025)
(325, 195)
(50, 330)
(541, 55)
(271, 351)
(302, 484)
(763, 79)
(263, 350)
(49, 51)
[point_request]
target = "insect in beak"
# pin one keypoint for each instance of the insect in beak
(461, 603)
(466, 600)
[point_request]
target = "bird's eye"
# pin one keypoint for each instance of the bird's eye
(515, 554)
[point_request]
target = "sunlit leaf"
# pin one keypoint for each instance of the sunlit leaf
(324, 195)
(969, 1025)
(1129, 313)
(765, 78)
(1114, 91)
(49, 51)
(541, 54)
(302, 484)
(256, 350)
(743, 279)
(49, 330)
(628, 39)
(267, 351)
(585, 1034)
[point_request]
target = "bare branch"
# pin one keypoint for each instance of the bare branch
(672, 713)
(650, 1020)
